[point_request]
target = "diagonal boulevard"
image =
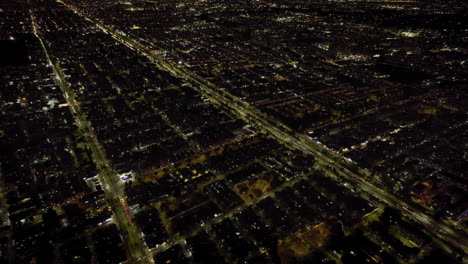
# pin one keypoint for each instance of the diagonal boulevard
(333, 163)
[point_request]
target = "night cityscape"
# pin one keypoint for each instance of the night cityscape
(233, 131)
